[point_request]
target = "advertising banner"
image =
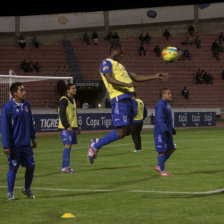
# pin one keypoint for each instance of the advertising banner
(194, 119)
(87, 121)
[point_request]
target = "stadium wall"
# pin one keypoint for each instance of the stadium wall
(116, 18)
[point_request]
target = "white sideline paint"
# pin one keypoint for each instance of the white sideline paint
(217, 191)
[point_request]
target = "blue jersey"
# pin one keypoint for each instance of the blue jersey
(163, 122)
(163, 117)
(16, 124)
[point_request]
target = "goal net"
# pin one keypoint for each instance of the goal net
(42, 90)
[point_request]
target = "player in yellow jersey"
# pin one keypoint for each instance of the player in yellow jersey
(120, 87)
(68, 124)
(139, 114)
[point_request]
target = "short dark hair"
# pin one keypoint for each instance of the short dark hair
(134, 94)
(14, 87)
(68, 86)
(115, 47)
(162, 91)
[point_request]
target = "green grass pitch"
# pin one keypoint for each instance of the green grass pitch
(122, 187)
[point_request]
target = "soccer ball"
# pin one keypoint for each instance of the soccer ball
(170, 54)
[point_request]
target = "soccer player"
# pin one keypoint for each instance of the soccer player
(120, 86)
(68, 124)
(17, 134)
(164, 131)
(139, 113)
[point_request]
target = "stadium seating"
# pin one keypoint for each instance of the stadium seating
(181, 72)
(54, 62)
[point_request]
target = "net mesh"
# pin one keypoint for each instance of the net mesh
(41, 94)
(4, 93)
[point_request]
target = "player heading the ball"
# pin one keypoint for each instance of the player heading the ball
(120, 86)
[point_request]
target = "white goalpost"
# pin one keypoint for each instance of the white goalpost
(7, 80)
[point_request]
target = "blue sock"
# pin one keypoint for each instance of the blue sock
(28, 178)
(167, 156)
(112, 136)
(66, 157)
(11, 178)
(161, 160)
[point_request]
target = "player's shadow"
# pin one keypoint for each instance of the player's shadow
(76, 194)
(114, 154)
(113, 168)
(203, 172)
(39, 175)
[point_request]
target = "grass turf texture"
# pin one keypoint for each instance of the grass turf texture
(197, 166)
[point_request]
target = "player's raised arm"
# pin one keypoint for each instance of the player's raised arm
(141, 78)
(113, 81)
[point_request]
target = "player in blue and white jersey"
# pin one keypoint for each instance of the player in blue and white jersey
(17, 134)
(120, 87)
(164, 131)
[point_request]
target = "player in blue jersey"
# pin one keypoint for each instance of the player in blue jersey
(17, 135)
(139, 114)
(164, 131)
(120, 87)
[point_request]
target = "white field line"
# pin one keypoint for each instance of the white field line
(125, 191)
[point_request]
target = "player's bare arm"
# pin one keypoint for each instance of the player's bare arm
(141, 78)
(113, 81)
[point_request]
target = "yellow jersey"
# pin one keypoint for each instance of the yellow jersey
(71, 114)
(140, 110)
(119, 73)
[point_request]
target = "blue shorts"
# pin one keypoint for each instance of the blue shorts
(122, 114)
(68, 138)
(163, 143)
(21, 155)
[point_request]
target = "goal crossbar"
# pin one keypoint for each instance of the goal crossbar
(6, 78)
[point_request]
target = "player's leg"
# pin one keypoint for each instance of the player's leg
(68, 139)
(168, 154)
(28, 161)
(96, 144)
(136, 136)
(122, 119)
(139, 146)
(170, 147)
(11, 178)
(161, 161)
(161, 149)
(29, 173)
(14, 163)
(66, 160)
